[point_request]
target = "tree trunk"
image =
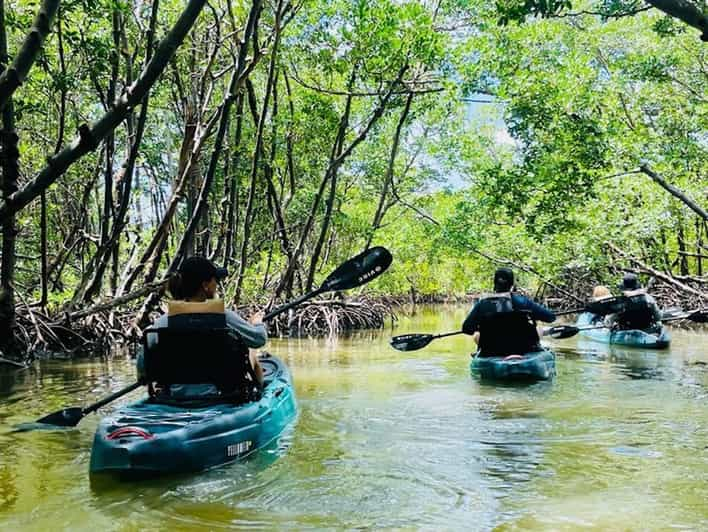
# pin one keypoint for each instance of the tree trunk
(8, 186)
(681, 240)
(14, 75)
(90, 137)
(337, 161)
(686, 11)
(110, 247)
(234, 184)
(699, 245)
(380, 209)
(256, 155)
(239, 76)
(44, 278)
(289, 143)
(674, 191)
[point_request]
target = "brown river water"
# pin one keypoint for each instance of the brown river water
(384, 439)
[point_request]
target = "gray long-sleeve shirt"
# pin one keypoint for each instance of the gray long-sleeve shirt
(254, 335)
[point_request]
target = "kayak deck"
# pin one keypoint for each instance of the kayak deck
(628, 338)
(529, 367)
(146, 439)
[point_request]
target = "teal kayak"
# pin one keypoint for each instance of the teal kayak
(660, 339)
(146, 439)
(533, 366)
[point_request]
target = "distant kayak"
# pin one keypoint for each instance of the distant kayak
(533, 366)
(631, 338)
(148, 439)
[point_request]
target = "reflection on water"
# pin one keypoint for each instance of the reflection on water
(397, 440)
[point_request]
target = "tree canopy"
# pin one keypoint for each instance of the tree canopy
(279, 138)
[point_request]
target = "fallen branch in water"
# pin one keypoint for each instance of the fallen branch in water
(157, 286)
(644, 268)
(9, 362)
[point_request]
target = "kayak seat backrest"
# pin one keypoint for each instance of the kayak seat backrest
(198, 349)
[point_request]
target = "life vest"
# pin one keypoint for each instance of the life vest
(504, 330)
(638, 312)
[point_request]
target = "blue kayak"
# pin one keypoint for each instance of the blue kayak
(533, 366)
(660, 339)
(147, 439)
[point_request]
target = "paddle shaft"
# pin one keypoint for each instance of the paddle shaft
(447, 334)
(98, 404)
(686, 315)
(566, 312)
(287, 306)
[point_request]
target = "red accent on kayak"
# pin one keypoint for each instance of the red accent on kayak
(513, 357)
(129, 431)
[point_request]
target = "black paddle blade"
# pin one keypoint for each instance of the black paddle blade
(359, 270)
(699, 316)
(562, 331)
(69, 417)
(611, 305)
(410, 342)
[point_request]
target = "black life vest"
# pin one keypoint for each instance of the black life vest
(505, 330)
(638, 313)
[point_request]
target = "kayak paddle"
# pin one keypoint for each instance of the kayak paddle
(70, 417)
(355, 272)
(413, 342)
(566, 331)
(602, 307)
(697, 316)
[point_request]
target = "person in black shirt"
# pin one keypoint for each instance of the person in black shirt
(505, 322)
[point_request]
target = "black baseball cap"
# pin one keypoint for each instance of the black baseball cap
(201, 269)
(630, 282)
(503, 279)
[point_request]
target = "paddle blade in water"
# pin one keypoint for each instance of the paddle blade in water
(69, 417)
(410, 342)
(359, 270)
(562, 331)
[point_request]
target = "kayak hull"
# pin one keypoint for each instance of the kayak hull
(629, 338)
(146, 439)
(533, 366)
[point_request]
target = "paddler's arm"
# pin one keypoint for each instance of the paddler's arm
(656, 312)
(471, 323)
(538, 312)
(254, 335)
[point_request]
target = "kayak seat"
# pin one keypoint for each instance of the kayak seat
(198, 349)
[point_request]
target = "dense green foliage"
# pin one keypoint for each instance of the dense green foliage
(544, 174)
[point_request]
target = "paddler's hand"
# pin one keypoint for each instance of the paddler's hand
(257, 318)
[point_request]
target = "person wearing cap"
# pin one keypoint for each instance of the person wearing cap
(504, 323)
(640, 309)
(196, 283)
